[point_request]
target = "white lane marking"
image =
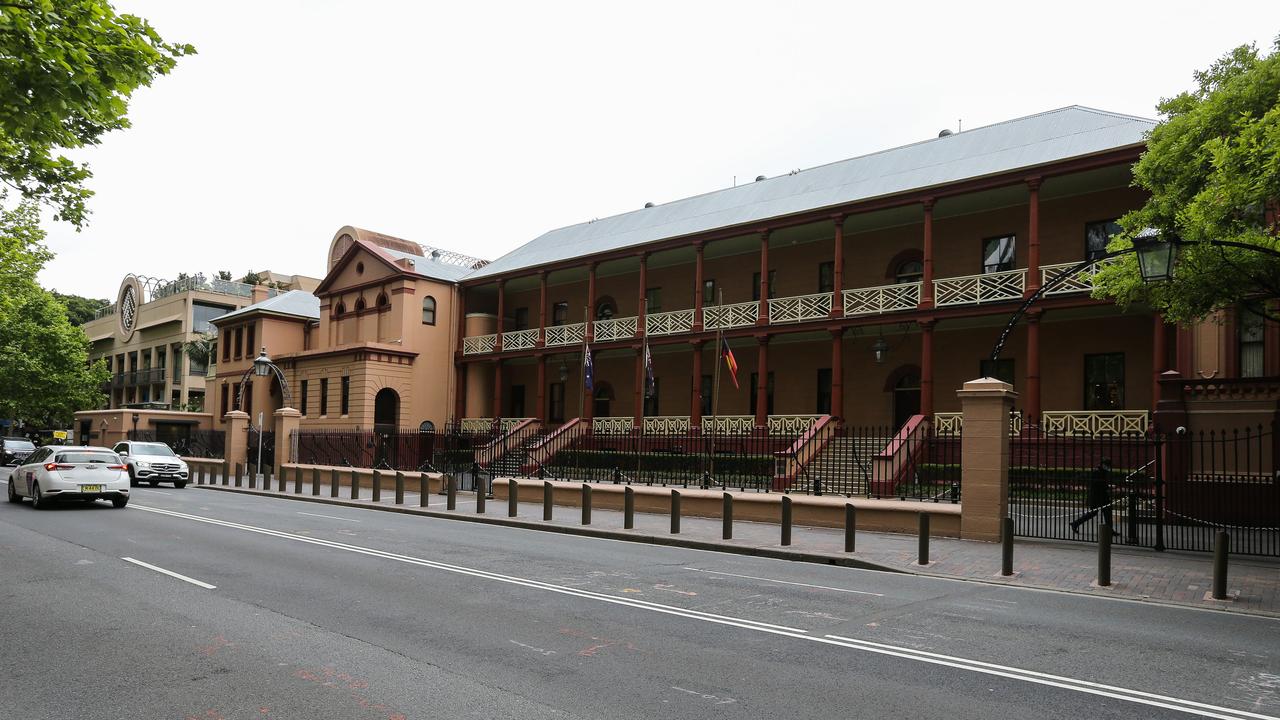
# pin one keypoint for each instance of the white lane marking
(483, 574)
(170, 573)
(158, 492)
(1030, 676)
(785, 582)
(331, 517)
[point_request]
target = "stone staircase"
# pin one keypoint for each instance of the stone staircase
(844, 466)
(510, 463)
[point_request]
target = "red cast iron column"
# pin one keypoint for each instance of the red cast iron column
(763, 312)
(697, 290)
(762, 383)
(926, 367)
(1033, 239)
(837, 300)
(1032, 405)
(926, 281)
(837, 374)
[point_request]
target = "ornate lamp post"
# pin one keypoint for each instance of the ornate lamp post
(263, 367)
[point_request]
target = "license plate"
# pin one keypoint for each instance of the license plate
(90, 488)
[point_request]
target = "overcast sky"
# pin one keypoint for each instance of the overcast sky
(479, 126)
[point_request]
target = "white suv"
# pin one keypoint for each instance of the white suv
(152, 462)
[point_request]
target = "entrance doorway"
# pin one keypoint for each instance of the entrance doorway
(906, 399)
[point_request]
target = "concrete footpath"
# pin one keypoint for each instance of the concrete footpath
(1136, 574)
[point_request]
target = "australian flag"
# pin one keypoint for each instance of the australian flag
(586, 368)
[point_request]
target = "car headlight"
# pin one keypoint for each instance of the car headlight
(144, 464)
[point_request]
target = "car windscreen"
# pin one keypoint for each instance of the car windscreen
(151, 449)
(12, 444)
(88, 457)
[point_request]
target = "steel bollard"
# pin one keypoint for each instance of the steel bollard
(253, 477)
(355, 485)
(786, 519)
(424, 490)
(1221, 548)
(479, 494)
(628, 508)
(1104, 554)
(586, 504)
(333, 483)
(451, 492)
(239, 474)
(513, 498)
(226, 472)
(923, 554)
(850, 526)
(726, 513)
(548, 496)
(315, 481)
(377, 486)
(297, 481)
(675, 512)
(267, 472)
(399, 488)
(1006, 546)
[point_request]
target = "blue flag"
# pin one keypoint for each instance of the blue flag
(586, 367)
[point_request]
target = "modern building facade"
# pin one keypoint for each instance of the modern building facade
(142, 335)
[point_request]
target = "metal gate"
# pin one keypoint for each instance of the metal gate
(1173, 492)
(268, 440)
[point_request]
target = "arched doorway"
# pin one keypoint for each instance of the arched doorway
(601, 399)
(386, 416)
(906, 398)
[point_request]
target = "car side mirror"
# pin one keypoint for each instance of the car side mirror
(123, 454)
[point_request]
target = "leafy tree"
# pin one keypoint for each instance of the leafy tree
(70, 67)
(224, 275)
(1212, 166)
(201, 349)
(80, 310)
(45, 375)
(251, 278)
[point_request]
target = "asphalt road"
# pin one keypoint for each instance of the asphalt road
(322, 612)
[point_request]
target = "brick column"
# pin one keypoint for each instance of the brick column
(287, 422)
(762, 317)
(642, 307)
(542, 308)
(762, 383)
(237, 442)
(698, 280)
(984, 457)
(926, 367)
(502, 314)
(926, 281)
(837, 374)
(837, 300)
(695, 410)
(1032, 404)
(1033, 237)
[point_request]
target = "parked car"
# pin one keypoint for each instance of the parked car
(70, 472)
(153, 462)
(13, 450)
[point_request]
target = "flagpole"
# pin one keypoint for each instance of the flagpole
(715, 384)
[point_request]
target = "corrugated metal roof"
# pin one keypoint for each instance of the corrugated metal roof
(429, 267)
(1025, 142)
(295, 302)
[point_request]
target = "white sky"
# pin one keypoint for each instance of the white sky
(479, 126)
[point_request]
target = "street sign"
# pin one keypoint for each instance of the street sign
(59, 434)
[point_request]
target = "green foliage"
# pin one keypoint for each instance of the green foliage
(1212, 166)
(45, 374)
(251, 278)
(200, 350)
(69, 67)
(224, 275)
(80, 310)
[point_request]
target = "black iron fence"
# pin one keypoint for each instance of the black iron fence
(1163, 492)
(916, 462)
(450, 449)
(192, 443)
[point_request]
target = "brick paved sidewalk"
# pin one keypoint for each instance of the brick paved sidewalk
(1137, 574)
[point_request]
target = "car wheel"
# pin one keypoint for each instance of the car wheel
(37, 499)
(119, 502)
(13, 494)
(179, 484)
(133, 481)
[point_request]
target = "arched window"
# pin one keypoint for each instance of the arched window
(909, 271)
(606, 309)
(382, 300)
(427, 427)
(360, 304)
(428, 310)
(340, 310)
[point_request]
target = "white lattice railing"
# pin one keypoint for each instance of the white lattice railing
(948, 423)
(566, 334)
(799, 308)
(1091, 423)
(519, 339)
(669, 323)
(612, 425)
(476, 425)
(614, 329)
(725, 424)
(666, 425)
(506, 424)
(730, 316)
(1081, 281)
(479, 344)
(882, 299)
(977, 289)
(791, 424)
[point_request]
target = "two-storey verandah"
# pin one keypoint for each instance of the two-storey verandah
(800, 295)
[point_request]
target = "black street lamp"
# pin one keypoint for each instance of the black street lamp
(135, 426)
(1156, 255)
(263, 367)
